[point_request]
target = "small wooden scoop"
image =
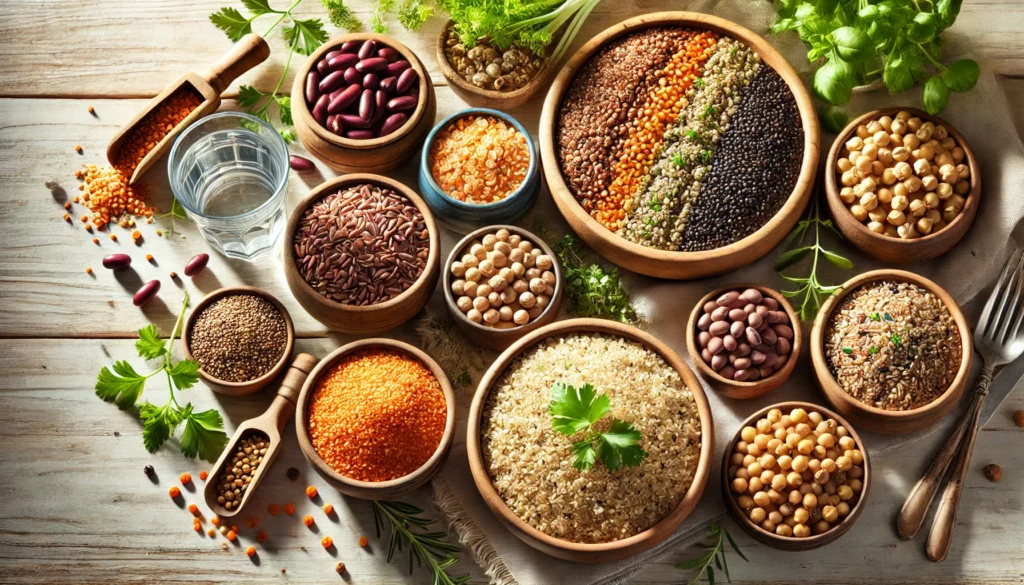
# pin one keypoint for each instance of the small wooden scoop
(268, 426)
(247, 53)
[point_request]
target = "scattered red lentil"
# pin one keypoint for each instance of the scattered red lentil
(211, 533)
(88, 270)
(261, 536)
(215, 520)
(136, 235)
(96, 241)
(340, 568)
(92, 110)
(252, 522)
(327, 542)
(186, 478)
(84, 218)
(289, 509)
(67, 218)
(251, 551)
(173, 491)
(202, 474)
(307, 520)
(363, 541)
(67, 205)
(174, 274)
(113, 237)
(311, 491)
(231, 535)
(328, 509)
(78, 148)
(194, 509)
(197, 526)
(75, 198)
(479, 159)
(273, 510)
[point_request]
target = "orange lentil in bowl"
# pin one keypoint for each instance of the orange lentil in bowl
(377, 415)
(479, 159)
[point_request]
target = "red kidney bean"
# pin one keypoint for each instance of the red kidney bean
(398, 67)
(350, 46)
(199, 261)
(320, 109)
(146, 293)
(359, 134)
(366, 104)
(353, 122)
(388, 53)
(388, 84)
(312, 87)
(117, 261)
(406, 79)
(370, 81)
(380, 104)
(405, 102)
(297, 163)
(392, 123)
(334, 125)
(368, 49)
(332, 82)
(331, 54)
(371, 64)
(322, 67)
(347, 97)
(342, 62)
(352, 76)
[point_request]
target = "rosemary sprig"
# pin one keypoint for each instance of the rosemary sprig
(812, 293)
(715, 554)
(427, 548)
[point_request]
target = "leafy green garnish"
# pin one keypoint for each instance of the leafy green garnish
(576, 411)
(592, 290)
(873, 350)
(847, 350)
(832, 118)
(407, 525)
(875, 317)
(715, 554)
(204, 431)
(896, 339)
(811, 291)
(341, 16)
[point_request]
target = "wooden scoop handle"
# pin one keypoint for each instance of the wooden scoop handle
(283, 407)
(247, 53)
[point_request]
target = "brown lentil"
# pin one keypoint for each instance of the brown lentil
(479, 159)
(238, 338)
(239, 470)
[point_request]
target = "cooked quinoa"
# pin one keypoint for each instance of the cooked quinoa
(531, 465)
(893, 345)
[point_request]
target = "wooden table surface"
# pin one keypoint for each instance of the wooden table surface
(75, 506)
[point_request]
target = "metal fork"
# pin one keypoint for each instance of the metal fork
(1000, 340)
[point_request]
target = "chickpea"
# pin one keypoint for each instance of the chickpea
(896, 217)
(801, 515)
(922, 167)
(876, 227)
(745, 502)
(880, 137)
(963, 171)
(913, 184)
(961, 188)
(899, 203)
(907, 231)
(754, 485)
(762, 499)
(911, 142)
(943, 191)
(870, 151)
(877, 215)
(924, 226)
(844, 164)
(855, 143)
(758, 515)
(898, 126)
(903, 171)
(917, 208)
(845, 492)
(863, 163)
(743, 474)
(949, 174)
(900, 154)
(885, 195)
(859, 212)
(843, 508)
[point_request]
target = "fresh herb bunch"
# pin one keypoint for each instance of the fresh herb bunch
(427, 548)
(576, 411)
(411, 14)
(203, 434)
(861, 41)
(811, 292)
(302, 36)
(715, 554)
(593, 291)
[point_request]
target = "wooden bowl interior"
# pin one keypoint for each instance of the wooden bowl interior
(581, 552)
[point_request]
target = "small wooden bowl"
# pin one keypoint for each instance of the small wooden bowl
(490, 337)
(888, 248)
(250, 386)
(374, 490)
(488, 98)
(573, 551)
(374, 155)
(865, 416)
(370, 319)
(733, 388)
(662, 263)
(791, 543)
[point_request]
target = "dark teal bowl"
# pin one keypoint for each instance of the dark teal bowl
(465, 217)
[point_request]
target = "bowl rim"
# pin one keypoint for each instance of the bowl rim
(339, 182)
(794, 323)
(220, 293)
(815, 540)
(446, 278)
(531, 172)
(665, 525)
(832, 389)
(429, 467)
(832, 188)
(301, 110)
(566, 202)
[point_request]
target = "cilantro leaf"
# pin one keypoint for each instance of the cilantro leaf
(620, 445)
(341, 15)
(312, 35)
(288, 136)
(231, 21)
(413, 13)
(158, 424)
(149, 345)
(177, 210)
(122, 386)
(284, 109)
(203, 434)
(249, 96)
(184, 374)
(585, 455)
(574, 410)
(258, 7)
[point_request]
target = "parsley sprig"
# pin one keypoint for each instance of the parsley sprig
(576, 410)
(592, 290)
(203, 433)
(407, 524)
(715, 554)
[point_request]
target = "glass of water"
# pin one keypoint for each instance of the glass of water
(230, 172)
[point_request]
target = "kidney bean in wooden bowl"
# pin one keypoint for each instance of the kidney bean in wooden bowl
(363, 103)
(367, 270)
(744, 339)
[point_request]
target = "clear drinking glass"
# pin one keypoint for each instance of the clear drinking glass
(230, 171)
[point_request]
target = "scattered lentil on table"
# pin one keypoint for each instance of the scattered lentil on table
(238, 338)
(488, 67)
(479, 159)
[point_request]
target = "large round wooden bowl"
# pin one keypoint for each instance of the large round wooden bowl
(872, 418)
(888, 248)
(374, 155)
(369, 319)
(573, 551)
(792, 543)
(373, 490)
(662, 263)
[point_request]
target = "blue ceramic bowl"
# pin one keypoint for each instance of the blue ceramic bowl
(465, 217)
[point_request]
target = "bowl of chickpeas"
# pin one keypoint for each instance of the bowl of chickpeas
(795, 476)
(500, 283)
(902, 185)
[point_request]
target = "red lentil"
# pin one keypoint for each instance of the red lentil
(186, 478)
(307, 520)
(363, 541)
(231, 535)
(327, 542)
(194, 509)
(211, 533)
(202, 474)
(174, 492)
(311, 491)
(251, 551)
(289, 509)
(328, 509)
(479, 159)
(253, 522)
(261, 536)
(273, 510)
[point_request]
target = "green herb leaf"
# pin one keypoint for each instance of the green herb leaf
(620, 445)
(573, 410)
(948, 10)
(158, 424)
(122, 386)
(936, 95)
(591, 290)
(249, 97)
(875, 317)
(258, 7)
(848, 350)
(177, 210)
(833, 81)
(833, 118)
(341, 16)
(413, 13)
(791, 257)
(962, 75)
(184, 374)
(312, 35)
(897, 75)
(430, 549)
(923, 27)
(149, 344)
(873, 350)
(852, 44)
(584, 455)
(837, 260)
(203, 434)
(231, 21)
(896, 340)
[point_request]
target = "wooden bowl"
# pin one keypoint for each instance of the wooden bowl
(888, 248)
(791, 543)
(865, 416)
(374, 490)
(490, 337)
(662, 263)
(733, 388)
(370, 319)
(581, 552)
(374, 155)
(488, 98)
(250, 386)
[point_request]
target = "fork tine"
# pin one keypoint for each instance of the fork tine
(1005, 330)
(995, 298)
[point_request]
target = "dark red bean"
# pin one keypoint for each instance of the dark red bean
(146, 293)
(320, 109)
(117, 261)
(359, 134)
(342, 62)
(312, 87)
(297, 163)
(390, 54)
(332, 54)
(388, 84)
(352, 76)
(322, 67)
(402, 103)
(406, 80)
(354, 122)
(370, 81)
(368, 49)
(334, 125)
(332, 82)
(350, 46)
(392, 123)
(380, 105)
(347, 97)
(398, 66)
(371, 64)
(367, 104)
(199, 261)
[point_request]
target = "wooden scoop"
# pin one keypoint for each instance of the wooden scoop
(247, 53)
(268, 426)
